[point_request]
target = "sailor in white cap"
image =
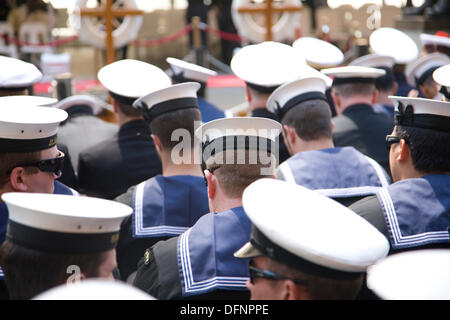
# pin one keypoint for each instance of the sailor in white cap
(83, 129)
(357, 124)
(130, 154)
(56, 239)
(183, 71)
(386, 85)
(420, 75)
(442, 77)
(94, 289)
(439, 42)
(414, 211)
(414, 275)
(264, 67)
(397, 44)
(167, 204)
(17, 76)
(307, 129)
(199, 263)
(305, 246)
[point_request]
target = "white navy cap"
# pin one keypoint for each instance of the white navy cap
(304, 229)
(417, 72)
(294, 92)
(310, 72)
(25, 100)
(78, 100)
(353, 74)
(95, 289)
(17, 74)
(442, 75)
(413, 275)
(373, 60)
(267, 65)
(190, 71)
(128, 80)
(435, 42)
(169, 99)
(319, 53)
(421, 113)
(248, 133)
(62, 223)
(395, 43)
(28, 128)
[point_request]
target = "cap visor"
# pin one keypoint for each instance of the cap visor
(247, 251)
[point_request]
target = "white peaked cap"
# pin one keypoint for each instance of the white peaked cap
(431, 39)
(80, 99)
(373, 60)
(319, 53)
(29, 127)
(394, 43)
(423, 106)
(267, 64)
(413, 275)
(296, 89)
(249, 126)
(132, 78)
(94, 289)
(16, 73)
(348, 72)
(63, 223)
(190, 71)
(442, 75)
(423, 65)
(310, 72)
(311, 227)
(23, 100)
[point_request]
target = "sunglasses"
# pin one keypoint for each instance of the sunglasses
(266, 274)
(390, 140)
(54, 165)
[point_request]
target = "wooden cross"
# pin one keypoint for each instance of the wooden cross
(109, 13)
(268, 8)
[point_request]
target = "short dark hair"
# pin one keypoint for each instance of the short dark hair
(164, 125)
(9, 160)
(29, 272)
(235, 177)
(128, 110)
(350, 89)
(429, 148)
(320, 288)
(311, 119)
(386, 82)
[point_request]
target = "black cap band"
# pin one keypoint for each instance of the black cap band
(27, 145)
(262, 89)
(341, 81)
(281, 111)
(166, 107)
(51, 241)
(122, 99)
(405, 117)
(277, 253)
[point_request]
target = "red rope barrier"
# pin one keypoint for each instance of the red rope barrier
(159, 41)
(222, 34)
(54, 43)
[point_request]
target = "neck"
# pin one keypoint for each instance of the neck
(302, 146)
(172, 169)
(414, 174)
(355, 100)
(122, 119)
(224, 203)
(383, 99)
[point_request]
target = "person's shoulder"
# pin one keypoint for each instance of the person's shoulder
(100, 150)
(370, 209)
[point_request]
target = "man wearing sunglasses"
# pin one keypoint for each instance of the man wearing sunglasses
(304, 245)
(414, 212)
(29, 158)
(199, 264)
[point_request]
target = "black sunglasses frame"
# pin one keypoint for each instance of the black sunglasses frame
(266, 274)
(390, 140)
(53, 165)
